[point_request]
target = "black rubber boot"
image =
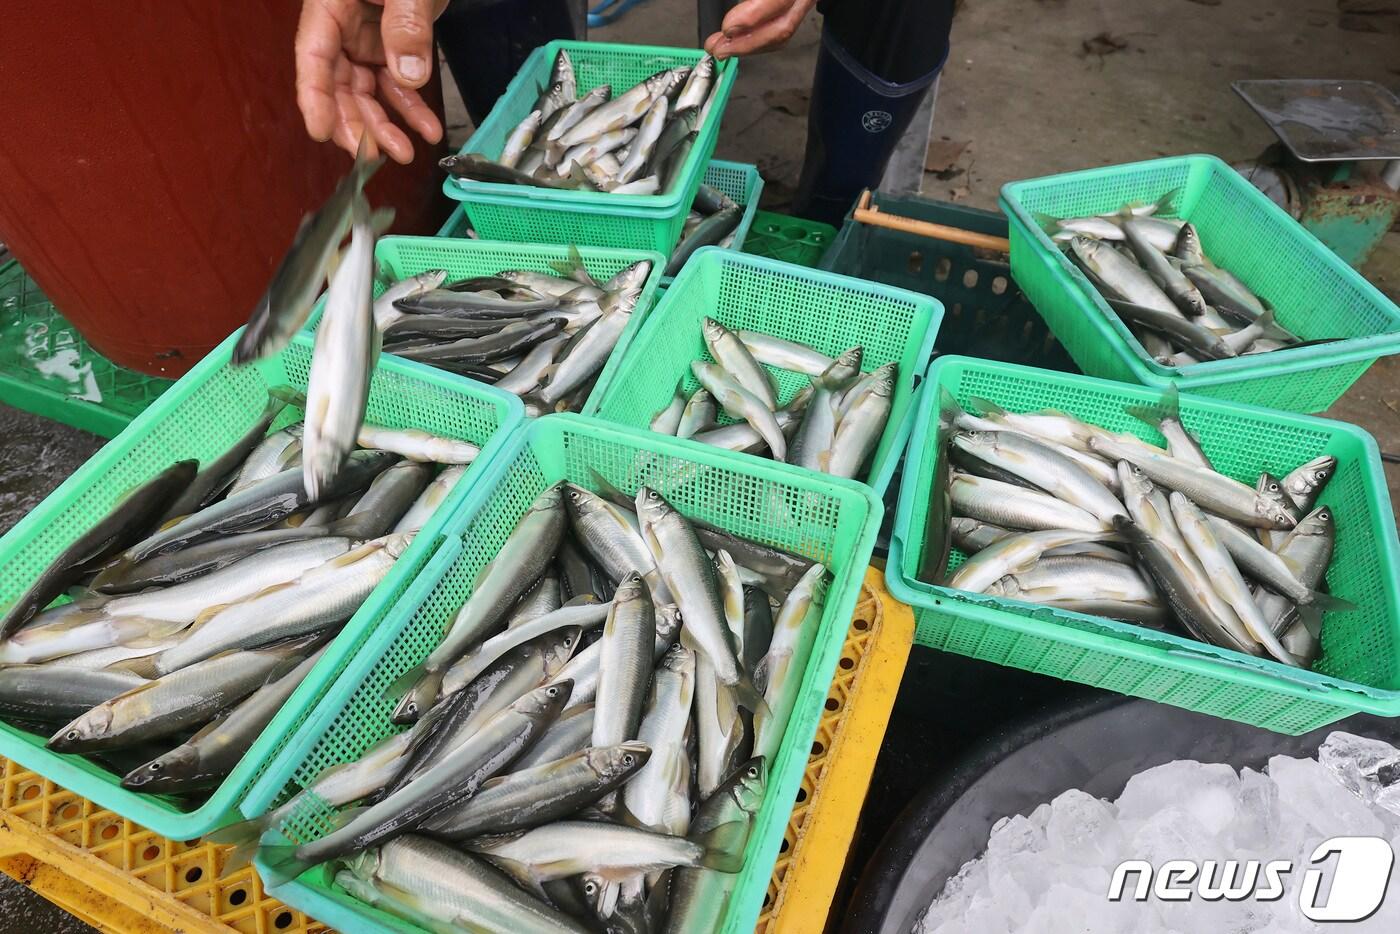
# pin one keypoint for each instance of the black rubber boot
(486, 41)
(853, 125)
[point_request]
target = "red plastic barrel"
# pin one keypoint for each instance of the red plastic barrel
(154, 167)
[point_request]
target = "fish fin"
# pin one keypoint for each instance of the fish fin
(1146, 414)
(380, 220)
(142, 629)
(1311, 617)
(1164, 202)
(987, 407)
(743, 694)
(1326, 602)
(243, 837)
(1045, 222)
(1272, 329)
(280, 864)
(724, 846)
(364, 167)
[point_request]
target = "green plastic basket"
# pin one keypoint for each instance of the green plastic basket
(826, 311)
(1315, 293)
(790, 239)
(542, 215)
(1360, 665)
(832, 521)
(408, 256)
(32, 335)
(198, 417)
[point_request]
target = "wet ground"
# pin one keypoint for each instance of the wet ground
(1032, 87)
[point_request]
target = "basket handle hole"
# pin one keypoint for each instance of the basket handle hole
(942, 269)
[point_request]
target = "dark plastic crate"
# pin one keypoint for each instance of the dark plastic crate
(985, 313)
(790, 239)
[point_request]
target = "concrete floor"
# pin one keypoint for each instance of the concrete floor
(1025, 93)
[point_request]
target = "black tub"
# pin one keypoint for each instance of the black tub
(1094, 744)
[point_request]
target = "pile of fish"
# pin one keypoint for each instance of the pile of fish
(634, 143)
(713, 221)
(543, 337)
(1182, 307)
(347, 342)
(207, 594)
(833, 426)
(587, 745)
(1053, 510)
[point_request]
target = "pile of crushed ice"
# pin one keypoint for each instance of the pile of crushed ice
(1050, 873)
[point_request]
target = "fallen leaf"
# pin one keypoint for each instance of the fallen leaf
(1104, 43)
(794, 101)
(943, 154)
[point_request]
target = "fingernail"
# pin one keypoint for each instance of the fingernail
(412, 67)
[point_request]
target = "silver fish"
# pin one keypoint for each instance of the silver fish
(860, 430)
(520, 139)
(1015, 507)
(1048, 469)
(794, 634)
(785, 354)
(658, 796)
(1011, 555)
(741, 404)
(430, 499)
(730, 353)
(668, 420)
(698, 414)
(385, 313)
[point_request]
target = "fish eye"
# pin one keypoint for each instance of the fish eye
(1273, 487)
(553, 692)
(627, 759)
(590, 888)
(155, 766)
(753, 772)
(1323, 473)
(71, 735)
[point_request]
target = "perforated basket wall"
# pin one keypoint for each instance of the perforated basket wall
(825, 311)
(408, 256)
(1315, 294)
(199, 417)
(827, 520)
(541, 215)
(1360, 665)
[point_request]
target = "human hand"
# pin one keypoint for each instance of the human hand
(346, 51)
(758, 26)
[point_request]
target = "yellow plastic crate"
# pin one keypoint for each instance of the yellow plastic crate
(119, 877)
(848, 739)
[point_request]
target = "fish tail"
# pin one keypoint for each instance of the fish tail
(724, 846)
(243, 837)
(1045, 222)
(1165, 202)
(280, 864)
(1323, 602)
(364, 167)
(986, 406)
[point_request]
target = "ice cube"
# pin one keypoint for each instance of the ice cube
(1083, 828)
(1257, 817)
(1173, 833)
(1015, 834)
(1073, 910)
(1172, 785)
(1310, 795)
(1368, 768)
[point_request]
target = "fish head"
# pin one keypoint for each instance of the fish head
(668, 621)
(651, 505)
(850, 358)
(1318, 522)
(557, 647)
(600, 893)
(679, 659)
(1273, 503)
(620, 761)
(712, 329)
(750, 781)
(599, 94)
(177, 763)
(545, 702)
(632, 277)
(363, 864)
(1310, 477)
(1187, 247)
(882, 385)
(397, 543)
(1087, 249)
(88, 728)
(581, 502)
(1134, 482)
(552, 498)
(630, 588)
(974, 442)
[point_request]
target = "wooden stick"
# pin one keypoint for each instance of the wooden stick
(867, 213)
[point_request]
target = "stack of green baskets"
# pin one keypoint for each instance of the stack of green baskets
(499, 211)
(832, 521)
(1359, 669)
(825, 311)
(1316, 294)
(401, 257)
(199, 417)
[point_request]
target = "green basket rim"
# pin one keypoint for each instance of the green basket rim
(1208, 372)
(221, 807)
(1124, 639)
(896, 434)
(785, 776)
(664, 204)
